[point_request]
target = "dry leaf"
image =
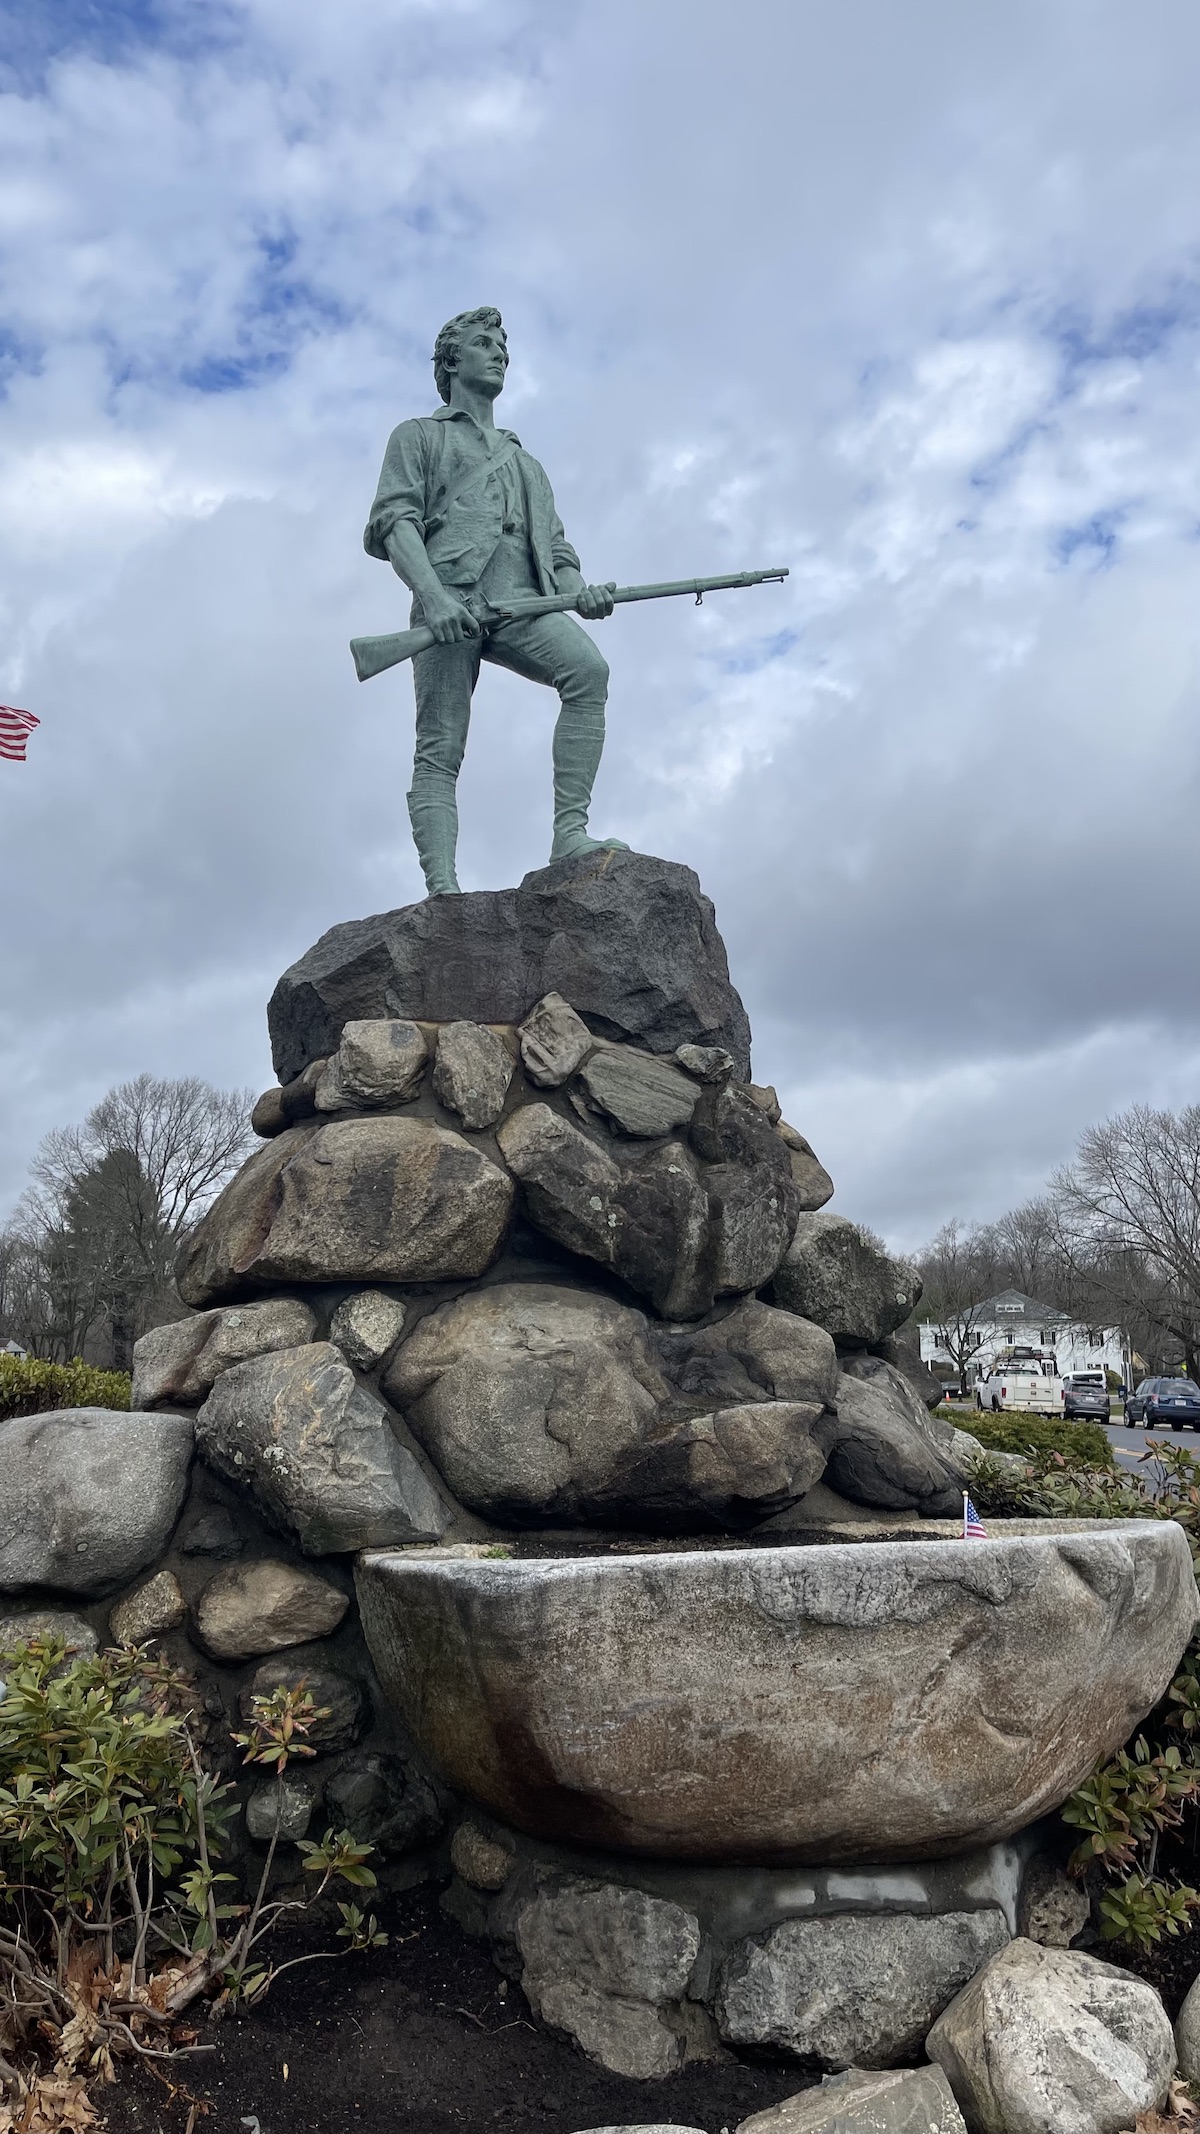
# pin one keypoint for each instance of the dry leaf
(74, 2038)
(51, 2105)
(1180, 2115)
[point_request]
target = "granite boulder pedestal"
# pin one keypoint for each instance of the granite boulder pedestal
(532, 1406)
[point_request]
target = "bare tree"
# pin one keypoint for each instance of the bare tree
(108, 1204)
(959, 1270)
(1029, 1254)
(1128, 1210)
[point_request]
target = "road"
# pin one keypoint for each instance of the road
(1129, 1445)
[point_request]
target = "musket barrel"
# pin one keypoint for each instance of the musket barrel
(676, 586)
(374, 655)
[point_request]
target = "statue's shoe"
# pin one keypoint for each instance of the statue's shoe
(578, 844)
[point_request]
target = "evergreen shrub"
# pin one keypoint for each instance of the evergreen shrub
(29, 1386)
(1041, 1437)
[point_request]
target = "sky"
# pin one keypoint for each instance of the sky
(907, 299)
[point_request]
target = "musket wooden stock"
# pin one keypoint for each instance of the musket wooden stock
(373, 655)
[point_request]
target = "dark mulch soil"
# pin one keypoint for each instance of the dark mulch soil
(1174, 1963)
(1171, 1967)
(420, 2038)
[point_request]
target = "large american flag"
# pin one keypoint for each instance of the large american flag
(973, 1526)
(15, 729)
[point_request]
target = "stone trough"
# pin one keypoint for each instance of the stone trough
(878, 1701)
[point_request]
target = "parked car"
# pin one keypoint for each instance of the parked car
(1165, 1404)
(1022, 1379)
(1085, 1393)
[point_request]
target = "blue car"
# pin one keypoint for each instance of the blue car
(1165, 1404)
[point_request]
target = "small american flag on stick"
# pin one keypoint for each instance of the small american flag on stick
(15, 729)
(973, 1526)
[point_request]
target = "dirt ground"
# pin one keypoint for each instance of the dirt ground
(420, 2038)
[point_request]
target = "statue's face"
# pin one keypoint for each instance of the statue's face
(483, 360)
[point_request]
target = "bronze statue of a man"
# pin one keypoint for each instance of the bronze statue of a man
(466, 517)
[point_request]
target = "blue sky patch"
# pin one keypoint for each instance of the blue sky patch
(760, 654)
(17, 356)
(36, 33)
(1138, 332)
(1093, 542)
(233, 374)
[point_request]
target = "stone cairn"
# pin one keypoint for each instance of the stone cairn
(524, 1377)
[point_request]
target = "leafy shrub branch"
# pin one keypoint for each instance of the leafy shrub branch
(115, 1920)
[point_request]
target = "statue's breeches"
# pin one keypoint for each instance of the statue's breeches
(551, 649)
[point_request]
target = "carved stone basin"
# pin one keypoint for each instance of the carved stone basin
(874, 1701)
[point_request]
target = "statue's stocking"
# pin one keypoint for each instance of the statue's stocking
(433, 813)
(578, 744)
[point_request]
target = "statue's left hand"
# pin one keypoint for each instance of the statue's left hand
(596, 601)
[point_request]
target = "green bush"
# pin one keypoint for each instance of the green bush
(1042, 1436)
(30, 1387)
(113, 1917)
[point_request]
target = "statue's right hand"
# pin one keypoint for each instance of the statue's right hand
(448, 618)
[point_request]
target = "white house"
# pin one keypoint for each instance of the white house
(1012, 1319)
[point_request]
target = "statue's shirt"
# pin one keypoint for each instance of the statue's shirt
(464, 488)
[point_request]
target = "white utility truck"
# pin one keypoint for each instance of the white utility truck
(1021, 1378)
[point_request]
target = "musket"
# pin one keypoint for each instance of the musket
(373, 655)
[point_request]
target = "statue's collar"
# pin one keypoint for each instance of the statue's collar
(444, 414)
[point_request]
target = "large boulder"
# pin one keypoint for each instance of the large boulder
(903, 1349)
(265, 1606)
(888, 1450)
(89, 1496)
(754, 1201)
(1050, 2041)
(784, 1706)
(544, 1403)
(752, 1352)
(911, 2100)
(318, 1453)
(377, 1065)
(182, 1361)
(471, 1073)
(74, 1632)
(554, 1042)
(631, 942)
(682, 1232)
(647, 1220)
(609, 1966)
(637, 1094)
(836, 1274)
(374, 1199)
(854, 1989)
(813, 1182)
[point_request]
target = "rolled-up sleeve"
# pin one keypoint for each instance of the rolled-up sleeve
(562, 555)
(400, 496)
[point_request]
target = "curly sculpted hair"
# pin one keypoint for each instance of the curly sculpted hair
(445, 349)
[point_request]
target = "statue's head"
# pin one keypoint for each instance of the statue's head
(478, 338)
